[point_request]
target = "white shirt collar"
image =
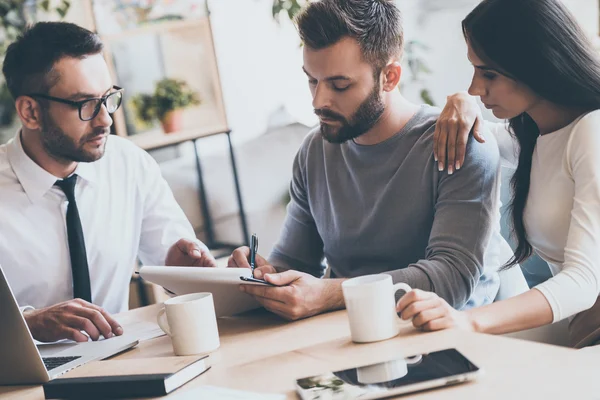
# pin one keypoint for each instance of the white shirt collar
(86, 171)
(35, 180)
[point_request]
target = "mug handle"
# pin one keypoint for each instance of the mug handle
(161, 319)
(401, 286)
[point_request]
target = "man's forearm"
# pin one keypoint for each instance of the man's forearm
(333, 297)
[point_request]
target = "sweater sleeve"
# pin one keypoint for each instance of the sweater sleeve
(576, 287)
(464, 217)
(300, 246)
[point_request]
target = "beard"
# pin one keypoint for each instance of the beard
(61, 146)
(361, 122)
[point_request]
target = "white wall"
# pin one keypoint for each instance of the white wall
(260, 64)
(439, 28)
(586, 12)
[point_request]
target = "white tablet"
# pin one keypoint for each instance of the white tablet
(391, 378)
(223, 283)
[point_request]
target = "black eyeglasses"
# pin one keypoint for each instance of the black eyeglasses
(89, 108)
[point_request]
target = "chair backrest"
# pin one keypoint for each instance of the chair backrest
(556, 334)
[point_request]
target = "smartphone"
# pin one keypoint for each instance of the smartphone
(391, 378)
(254, 280)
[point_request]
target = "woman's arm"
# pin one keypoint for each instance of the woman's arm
(431, 313)
(460, 118)
(574, 289)
(525, 311)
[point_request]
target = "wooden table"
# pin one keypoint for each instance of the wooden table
(262, 353)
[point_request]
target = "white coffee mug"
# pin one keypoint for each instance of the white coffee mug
(386, 371)
(382, 372)
(191, 323)
(371, 304)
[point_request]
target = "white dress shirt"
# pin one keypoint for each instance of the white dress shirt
(562, 216)
(127, 211)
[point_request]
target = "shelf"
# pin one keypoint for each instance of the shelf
(156, 139)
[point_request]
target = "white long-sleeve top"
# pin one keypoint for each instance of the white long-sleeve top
(562, 215)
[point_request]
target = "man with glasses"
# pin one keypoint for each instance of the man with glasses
(78, 206)
(89, 108)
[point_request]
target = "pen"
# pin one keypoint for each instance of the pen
(253, 250)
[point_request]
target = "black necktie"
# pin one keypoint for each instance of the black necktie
(79, 264)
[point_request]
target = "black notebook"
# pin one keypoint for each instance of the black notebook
(118, 379)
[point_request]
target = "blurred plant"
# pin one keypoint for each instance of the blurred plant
(169, 95)
(413, 58)
(15, 15)
(143, 107)
(290, 7)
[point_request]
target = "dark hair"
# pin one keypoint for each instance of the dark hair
(538, 43)
(28, 65)
(375, 24)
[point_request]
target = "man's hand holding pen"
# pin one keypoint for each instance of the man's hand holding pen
(240, 259)
(297, 295)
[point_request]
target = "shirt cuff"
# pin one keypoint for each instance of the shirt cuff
(26, 308)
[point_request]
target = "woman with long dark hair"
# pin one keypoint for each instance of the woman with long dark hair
(535, 68)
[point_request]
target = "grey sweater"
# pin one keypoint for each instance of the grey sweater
(386, 208)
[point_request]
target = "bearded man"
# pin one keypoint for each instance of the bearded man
(367, 195)
(78, 206)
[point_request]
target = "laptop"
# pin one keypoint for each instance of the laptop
(25, 363)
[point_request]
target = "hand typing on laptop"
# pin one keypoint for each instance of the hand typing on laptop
(68, 319)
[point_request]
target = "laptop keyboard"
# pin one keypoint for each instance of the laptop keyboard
(55, 362)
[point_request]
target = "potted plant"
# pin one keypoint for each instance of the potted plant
(166, 104)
